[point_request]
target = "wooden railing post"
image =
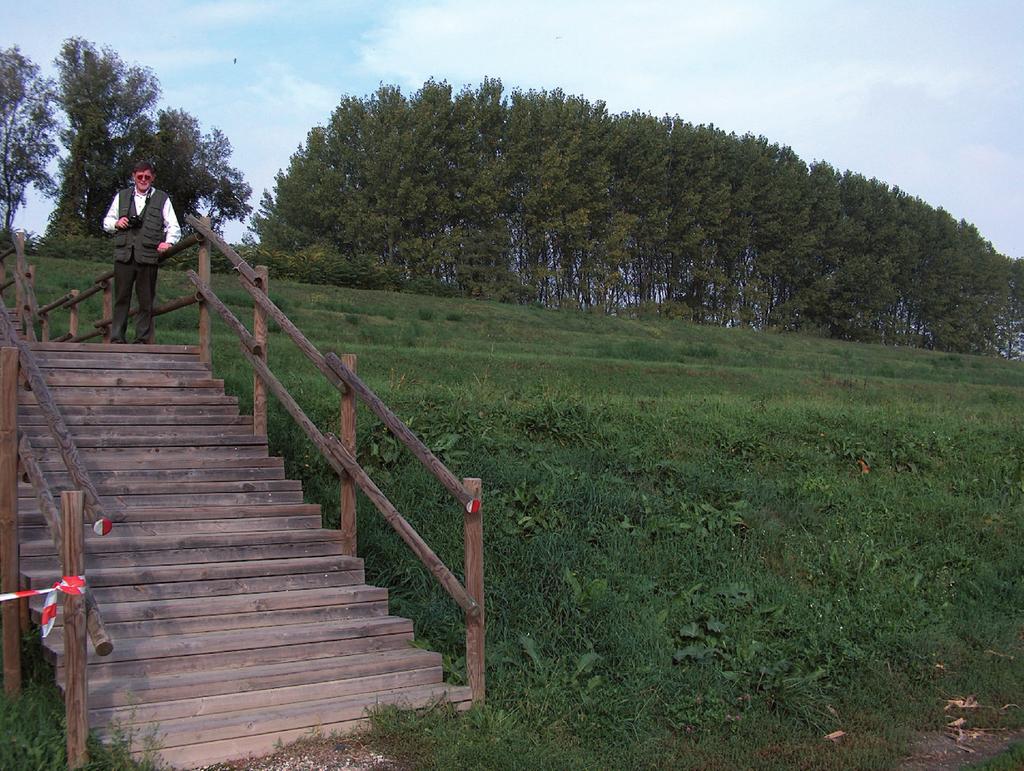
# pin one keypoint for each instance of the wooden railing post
(9, 517)
(19, 270)
(348, 485)
(72, 503)
(108, 306)
(474, 545)
(73, 316)
(259, 331)
(44, 321)
(205, 352)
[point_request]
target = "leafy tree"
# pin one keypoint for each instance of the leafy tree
(27, 128)
(194, 168)
(544, 197)
(108, 106)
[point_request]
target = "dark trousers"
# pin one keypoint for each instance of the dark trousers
(143, 278)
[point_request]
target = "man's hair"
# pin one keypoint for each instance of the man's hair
(144, 166)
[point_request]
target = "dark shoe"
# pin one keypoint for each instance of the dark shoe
(117, 341)
(140, 342)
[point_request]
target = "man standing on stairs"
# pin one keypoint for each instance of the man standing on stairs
(143, 221)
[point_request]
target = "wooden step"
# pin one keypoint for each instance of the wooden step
(269, 698)
(238, 621)
(259, 732)
(97, 379)
(144, 476)
(105, 698)
(26, 493)
(118, 542)
(147, 397)
(324, 547)
(189, 625)
(189, 513)
(85, 412)
(43, 576)
(86, 361)
(39, 532)
(232, 601)
(218, 650)
(128, 350)
(149, 592)
(210, 457)
(106, 439)
(115, 505)
(79, 431)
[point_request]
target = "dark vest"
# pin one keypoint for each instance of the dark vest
(141, 242)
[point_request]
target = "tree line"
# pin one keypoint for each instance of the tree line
(543, 197)
(104, 113)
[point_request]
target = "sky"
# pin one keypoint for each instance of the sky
(926, 96)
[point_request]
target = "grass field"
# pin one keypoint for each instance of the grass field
(705, 548)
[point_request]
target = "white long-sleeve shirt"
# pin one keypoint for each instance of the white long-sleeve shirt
(171, 228)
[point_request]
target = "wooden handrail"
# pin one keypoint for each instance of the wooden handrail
(98, 286)
(341, 460)
(402, 432)
(341, 376)
(56, 303)
(171, 305)
(244, 269)
(70, 299)
(54, 419)
(28, 308)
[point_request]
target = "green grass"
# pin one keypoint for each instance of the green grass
(685, 563)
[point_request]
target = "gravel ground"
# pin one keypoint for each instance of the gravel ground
(317, 754)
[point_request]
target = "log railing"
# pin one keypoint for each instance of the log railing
(340, 453)
(30, 312)
(17, 360)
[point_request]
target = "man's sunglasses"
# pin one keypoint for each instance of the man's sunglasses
(143, 176)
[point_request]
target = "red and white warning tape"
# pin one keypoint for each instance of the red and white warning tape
(67, 585)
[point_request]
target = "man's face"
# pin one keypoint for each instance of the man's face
(143, 180)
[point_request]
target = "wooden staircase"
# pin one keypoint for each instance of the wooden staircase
(237, 620)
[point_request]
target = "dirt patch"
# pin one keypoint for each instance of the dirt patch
(317, 754)
(941, 751)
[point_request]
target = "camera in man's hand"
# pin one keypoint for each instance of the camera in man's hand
(134, 221)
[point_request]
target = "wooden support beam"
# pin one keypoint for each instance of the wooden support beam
(9, 566)
(72, 317)
(108, 307)
(205, 339)
(75, 653)
(259, 331)
(348, 486)
(473, 531)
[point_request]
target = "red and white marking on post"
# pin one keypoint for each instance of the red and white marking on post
(102, 526)
(473, 506)
(67, 585)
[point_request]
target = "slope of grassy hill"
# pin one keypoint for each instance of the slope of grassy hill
(704, 547)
